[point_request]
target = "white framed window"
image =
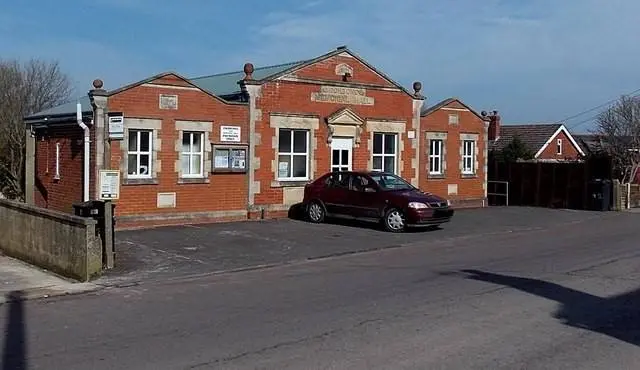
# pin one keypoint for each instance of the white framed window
(468, 157)
(385, 152)
(192, 154)
(293, 154)
(56, 176)
(453, 119)
(559, 147)
(435, 156)
(139, 154)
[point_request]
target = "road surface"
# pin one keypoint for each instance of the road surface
(561, 296)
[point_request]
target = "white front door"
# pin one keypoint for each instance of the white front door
(341, 149)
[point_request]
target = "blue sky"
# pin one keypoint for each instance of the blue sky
(533, 60)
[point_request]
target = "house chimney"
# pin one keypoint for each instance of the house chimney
(494, 125)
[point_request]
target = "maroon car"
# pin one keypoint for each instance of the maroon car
(376, 197)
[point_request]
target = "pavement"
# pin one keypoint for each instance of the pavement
(510, 288)
(19, 280)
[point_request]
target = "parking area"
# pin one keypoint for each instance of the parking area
(180, 251)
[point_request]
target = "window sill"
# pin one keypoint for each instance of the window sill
(288, 183)
(437, 177)
(193, 180)
(229, 170)
(469, 176)
(140, 182)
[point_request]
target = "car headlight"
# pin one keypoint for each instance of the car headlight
(418, 205)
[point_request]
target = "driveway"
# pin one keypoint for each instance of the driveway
(185, 251)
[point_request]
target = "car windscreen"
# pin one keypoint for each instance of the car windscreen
(391, 182)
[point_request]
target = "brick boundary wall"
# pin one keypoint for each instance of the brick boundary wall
(635, 196)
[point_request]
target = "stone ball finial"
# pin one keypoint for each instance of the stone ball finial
(97, 83)
(417, 86)
(248, 71)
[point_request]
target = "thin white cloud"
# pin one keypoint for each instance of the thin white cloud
(528, 59)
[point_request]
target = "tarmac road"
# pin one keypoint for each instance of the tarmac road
(555, 296)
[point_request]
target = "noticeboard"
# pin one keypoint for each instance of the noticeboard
(109, 184)
(228, 158)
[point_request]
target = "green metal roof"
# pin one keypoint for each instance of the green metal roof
(227, 83)
(66, 108)
(222, 84)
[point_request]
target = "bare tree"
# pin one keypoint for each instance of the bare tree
(619, 128)
(25, 88)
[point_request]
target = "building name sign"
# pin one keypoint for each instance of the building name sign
(342, 95)
(230, 134)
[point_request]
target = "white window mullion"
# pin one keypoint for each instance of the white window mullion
(435, 156)
(138, 150)
(289, 155)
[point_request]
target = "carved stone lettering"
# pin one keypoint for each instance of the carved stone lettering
(342, 95)
(168, 101)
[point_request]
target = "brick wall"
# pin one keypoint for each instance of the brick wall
(52, 191)
(209, 197)
(634, 198)
(293, 96)
(330, 70)
(461, 189)
(569, 151)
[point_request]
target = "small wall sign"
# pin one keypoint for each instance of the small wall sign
(230, 134)
(116, 125)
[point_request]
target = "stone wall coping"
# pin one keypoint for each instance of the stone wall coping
(48, 213)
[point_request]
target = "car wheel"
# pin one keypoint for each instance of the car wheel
(315, 212)
(394, 220)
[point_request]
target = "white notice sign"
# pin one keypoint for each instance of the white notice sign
(109, 184)
(230, 133)
(116, 127)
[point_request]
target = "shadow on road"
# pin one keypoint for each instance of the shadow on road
(616, 316)
(14, 355)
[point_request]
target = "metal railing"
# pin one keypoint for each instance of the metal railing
(499, 194)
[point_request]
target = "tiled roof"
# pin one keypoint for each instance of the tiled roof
(588, 142)
(227, 83)
(532, 135)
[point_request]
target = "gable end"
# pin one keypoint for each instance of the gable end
(563, 130)
(341, 52)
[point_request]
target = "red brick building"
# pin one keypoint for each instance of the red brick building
(546, 141)
(243, 144)
(456, 152)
